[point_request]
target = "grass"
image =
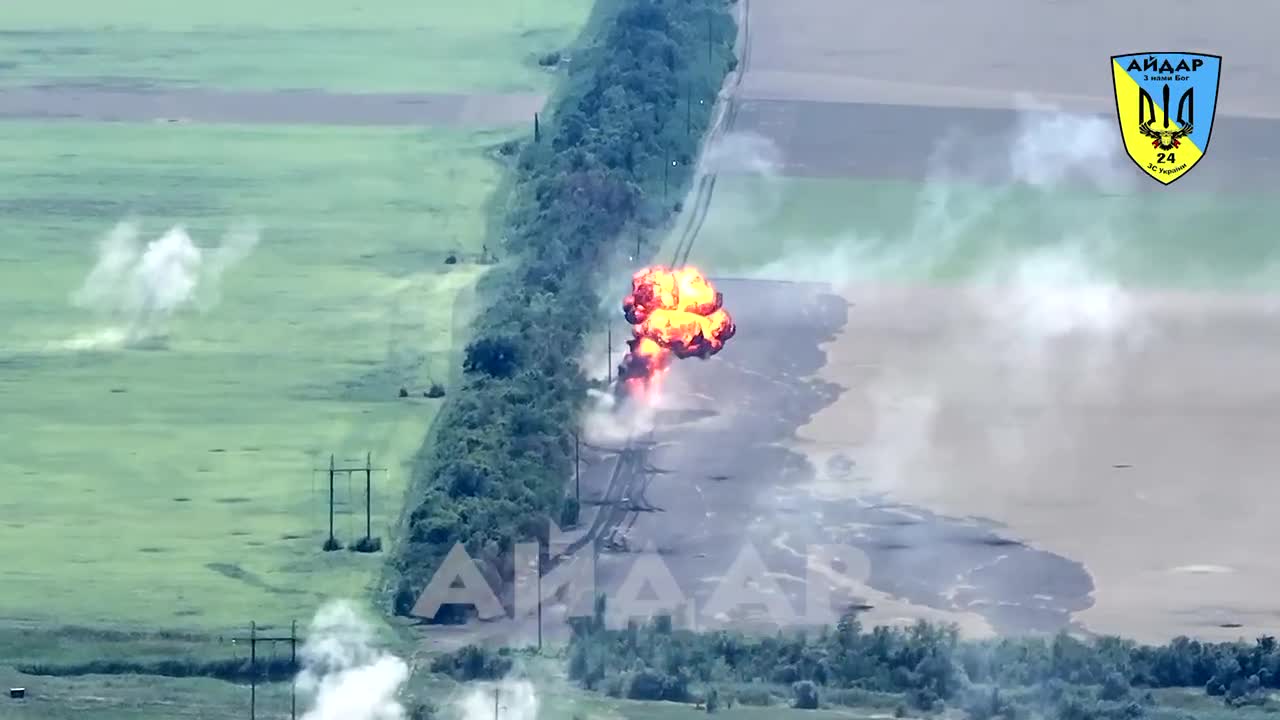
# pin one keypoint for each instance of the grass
(898, 231)
(127, 697)
(173, 488)
(339, 45)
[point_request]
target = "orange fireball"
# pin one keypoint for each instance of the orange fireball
(672, 312)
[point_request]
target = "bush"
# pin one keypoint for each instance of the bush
(650, 684)
(550, 59)
(1114, 687)
(804, 695)
(473, 663)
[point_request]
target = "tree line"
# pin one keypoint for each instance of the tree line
(620, 141)
(923, 667)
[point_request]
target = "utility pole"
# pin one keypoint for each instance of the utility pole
(496, 690)
(637, 244)
(539, 597)
(709, 34)
(253, 669)
(537, 130)
(332, 543)
(666, 168)
(366, 545)
(577, 475)
(689, 106)
(368, 495)
(609, 348)
(253, 639)
(293, 665)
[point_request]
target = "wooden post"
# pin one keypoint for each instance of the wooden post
(689, 106)
(253, 670)
(368, 496)
(293, 665)
(539, 597)
(709, 35)
(332, 472)
(666, 171)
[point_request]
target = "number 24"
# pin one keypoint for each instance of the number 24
(1164, 157)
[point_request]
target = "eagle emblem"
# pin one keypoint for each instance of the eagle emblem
(1164, 139)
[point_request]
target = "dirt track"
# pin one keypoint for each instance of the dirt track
(297, 107)
(1140, 450)
(980, 53)
(871, 90)
(903, 142)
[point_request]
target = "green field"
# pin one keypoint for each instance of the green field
(867, 230)
(131, 697)
(389, 45)
(174, 486)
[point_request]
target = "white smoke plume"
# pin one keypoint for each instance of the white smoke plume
(609, 422)
(1039, 298)
(345, 676)
(756, 163)
(515, 700)
(136, 289)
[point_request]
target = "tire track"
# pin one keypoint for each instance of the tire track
(724, 124)
(630, 478)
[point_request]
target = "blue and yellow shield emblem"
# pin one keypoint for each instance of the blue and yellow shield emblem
(1166, 103)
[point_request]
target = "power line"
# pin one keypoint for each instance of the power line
(368, 543)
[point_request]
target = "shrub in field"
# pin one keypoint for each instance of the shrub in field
(804, 695)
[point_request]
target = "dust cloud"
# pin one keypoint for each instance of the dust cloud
(135, 289)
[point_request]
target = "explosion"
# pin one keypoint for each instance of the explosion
(672, 312)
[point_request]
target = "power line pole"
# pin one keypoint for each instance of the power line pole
(331, 543)
(253, 670)
(666, 168)
(367, 543)
(496, 690)
(709, 35)
(577, 476)
(254, 638)
(609, 347)
(293, 665)
(539, 597)
(689, 106)
(368, 495)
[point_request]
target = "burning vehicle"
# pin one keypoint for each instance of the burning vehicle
(673, 313)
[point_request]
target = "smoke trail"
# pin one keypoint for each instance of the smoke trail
(136, 290)
(344, 675)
